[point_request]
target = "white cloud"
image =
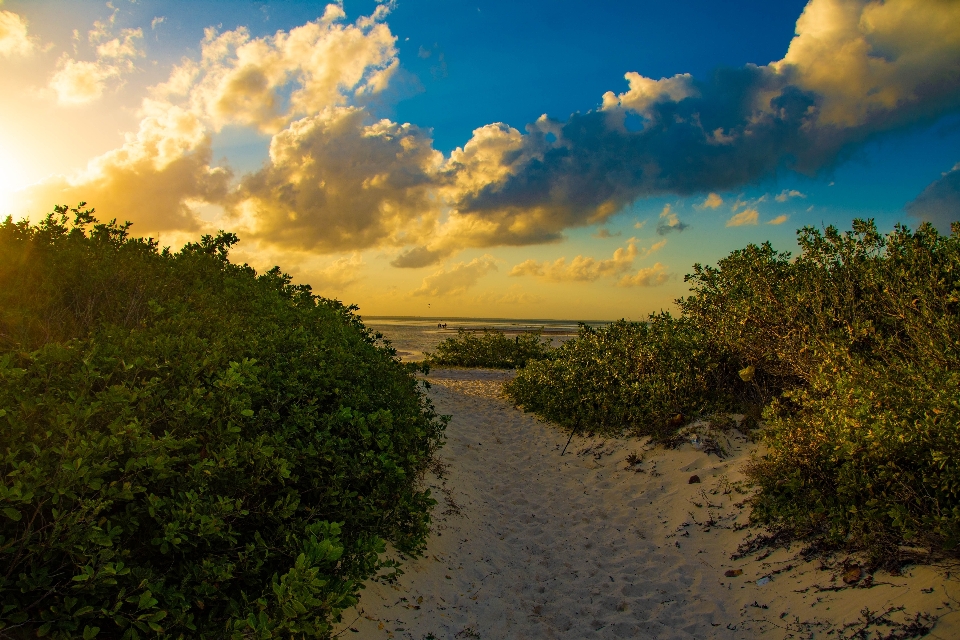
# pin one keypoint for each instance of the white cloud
(14, 40)
(81, 81)
(645, 92)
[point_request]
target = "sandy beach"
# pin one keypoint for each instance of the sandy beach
(617, 539)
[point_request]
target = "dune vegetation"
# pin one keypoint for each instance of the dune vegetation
(192, 449)
(489, 349)
(847, 355)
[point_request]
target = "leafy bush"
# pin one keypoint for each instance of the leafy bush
(864, 452)
(852, 346)
(490, 349)
(191, 449)
(629, 376)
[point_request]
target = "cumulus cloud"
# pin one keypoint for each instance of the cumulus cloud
(786, 194)
(338, 179)
(779, 219)
(646, 277)
(152, 180)
(939, 203)
(334, 183)
(712, 201)
(83, 81)
(745, 217)
(669, 222)
(850, 73)
(583, 268)
(646, 92)
(163, 172)
(457, 279)
(269, 82)
(14, 40)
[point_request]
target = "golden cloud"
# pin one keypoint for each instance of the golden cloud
(779, 219)
(745, 217)
(586, 269)
(457, 279)
(14, 40)
(647, 277)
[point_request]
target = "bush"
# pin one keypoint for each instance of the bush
(489, 349)
(629, 376)
(852, 347)
(863, 453)
(191, 449)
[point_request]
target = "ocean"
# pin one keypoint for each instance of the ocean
(413, 336)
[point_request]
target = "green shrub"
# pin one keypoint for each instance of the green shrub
(191, 449)
(629, 376)
(489, 349)
(853, 347)
(864, 453)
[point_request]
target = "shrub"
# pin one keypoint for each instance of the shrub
(629, 376)
(489, 349)
(852, 346)
(191, 449)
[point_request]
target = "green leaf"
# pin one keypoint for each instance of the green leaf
(12, 513)
(90, 632)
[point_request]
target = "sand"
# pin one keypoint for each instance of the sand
(529, 544)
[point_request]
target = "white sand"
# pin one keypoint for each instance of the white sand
(527, 544)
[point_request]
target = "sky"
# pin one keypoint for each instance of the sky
(488, 158)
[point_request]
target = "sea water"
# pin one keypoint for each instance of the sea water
(414, 336)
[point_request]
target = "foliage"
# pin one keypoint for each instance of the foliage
(852, 347)
(864, 453)
(628, 376)
(490, 349)
(191, 449)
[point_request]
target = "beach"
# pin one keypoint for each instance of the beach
(618, 539)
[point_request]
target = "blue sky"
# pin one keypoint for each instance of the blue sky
(485, 158)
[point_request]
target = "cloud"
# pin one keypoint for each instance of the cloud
(156, 22)
(802, 113)
(745, 217)
(639, 224)
(457, 279)
(509, 298)
(154, 179)
(163, 173)
(586, 269)
(712, 201)
(269, 82)
(339, 274)
(646, 92)
(669, 222)
(786, 194)
(939, 203)
(647, 277)
(338, 179)
(779, 219)
(81, 81)
(334, 183)
(604, 233)
(14, 40)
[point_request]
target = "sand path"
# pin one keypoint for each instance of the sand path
(528, 544)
